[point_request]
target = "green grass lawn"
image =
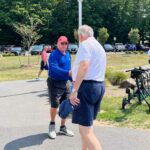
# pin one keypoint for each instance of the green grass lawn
(124, 61)
(15, 68)
(136, 116)
(11, 69)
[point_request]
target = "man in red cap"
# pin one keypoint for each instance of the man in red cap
(59, 73)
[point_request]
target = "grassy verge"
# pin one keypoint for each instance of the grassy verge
(135, 116)
(124, 61)
(15, 68)
(11, 67)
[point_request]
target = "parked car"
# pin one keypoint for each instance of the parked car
(142, 47)
(120, 47)
(7, 49)
(109, 48)
(73, 48)
(36, 49)
(49, 48)
(2, 48)
(17, 50)
(130, 47)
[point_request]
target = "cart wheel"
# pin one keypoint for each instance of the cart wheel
(124, 103)
(127, 90)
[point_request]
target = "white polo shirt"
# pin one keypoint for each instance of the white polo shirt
(92, 51)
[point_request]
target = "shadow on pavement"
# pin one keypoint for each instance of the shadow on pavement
(34, 92)
(43, 95)
(28, 141)
(34, 80)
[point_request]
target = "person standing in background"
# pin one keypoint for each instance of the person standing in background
(43, 65)
(149, 56)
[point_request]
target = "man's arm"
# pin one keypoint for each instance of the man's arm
(82, 70)
(53, 63)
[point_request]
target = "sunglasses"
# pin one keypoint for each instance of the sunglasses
(64, 43)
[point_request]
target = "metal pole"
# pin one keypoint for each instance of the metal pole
(80, 12)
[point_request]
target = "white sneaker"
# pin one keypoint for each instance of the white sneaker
(38, 79)
(65, 131)
(52, 132)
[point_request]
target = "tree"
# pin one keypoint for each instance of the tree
(29, 33)
(134, 36)
(60, 17)
(103, 35)
(76, 34)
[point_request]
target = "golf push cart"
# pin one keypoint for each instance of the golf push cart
(140, 91)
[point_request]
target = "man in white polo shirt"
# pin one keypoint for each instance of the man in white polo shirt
(88, 75)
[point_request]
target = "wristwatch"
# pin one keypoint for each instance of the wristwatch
(74, 90)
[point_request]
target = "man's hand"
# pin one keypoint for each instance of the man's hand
(73, 99)
(70, 73)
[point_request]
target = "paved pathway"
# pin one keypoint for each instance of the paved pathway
(24, 113)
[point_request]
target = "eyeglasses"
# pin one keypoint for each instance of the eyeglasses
(64, 43)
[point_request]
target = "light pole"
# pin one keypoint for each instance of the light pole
(143, 27)
(80, 11)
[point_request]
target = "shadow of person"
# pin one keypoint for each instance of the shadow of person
(28, 141)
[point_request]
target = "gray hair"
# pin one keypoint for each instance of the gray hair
(86, 31)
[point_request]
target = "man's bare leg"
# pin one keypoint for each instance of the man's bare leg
(84, 144)
(39, 73)
(63, 121)
(90, 138)
(53, 112)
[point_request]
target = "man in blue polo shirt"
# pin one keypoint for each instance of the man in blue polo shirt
(59, 73)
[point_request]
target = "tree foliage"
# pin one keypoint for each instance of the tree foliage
(103, 35)
(60, 17)
(28, 32)
(134, 36)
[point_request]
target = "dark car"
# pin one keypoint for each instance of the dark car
(109, 48)
(17, 50)
(120, 47)
(73, 48)
(2, 48)
(142, 47)
(130, 47)
(7, 49)
(36, 49)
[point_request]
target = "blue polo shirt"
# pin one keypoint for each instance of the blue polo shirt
(59, 65)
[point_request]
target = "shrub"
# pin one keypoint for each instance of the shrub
(103, 35)
(134, 35)
(128, 52)
(108, 73)
(116, 78)
(8, 54)
(135, 52)
(141, 52)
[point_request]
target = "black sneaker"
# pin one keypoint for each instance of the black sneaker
(63, 130)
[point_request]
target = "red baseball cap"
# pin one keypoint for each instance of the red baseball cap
(62, 39)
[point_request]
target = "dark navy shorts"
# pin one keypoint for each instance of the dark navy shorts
(58, 91)
(43, 66)
(90, 95)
